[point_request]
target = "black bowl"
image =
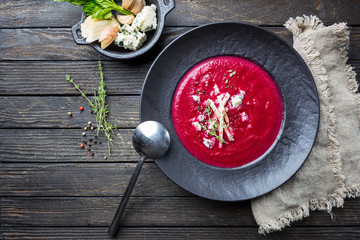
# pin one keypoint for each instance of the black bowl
(120, 53)
(300, 100)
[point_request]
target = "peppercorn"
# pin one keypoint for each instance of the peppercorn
(82, 145)
(85, 128)
(92, 154)
(91, 128)
(90, 139)
(81, 108)
(89, 145)
(99, 142)
(91, 111)
(95, 135)
(84, 141)
(89, 123)
(69, 114)
(95, 141)
(84, 134)
(105, 157)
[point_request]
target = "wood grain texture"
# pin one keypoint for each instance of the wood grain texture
(39, 13)
(23, 78)
(51, 112)
(150, 212)
(180, 233)
(84, 179)
(48, 77)
(63, 145)
(58, 44)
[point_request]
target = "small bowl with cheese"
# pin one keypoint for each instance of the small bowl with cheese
(125, 36)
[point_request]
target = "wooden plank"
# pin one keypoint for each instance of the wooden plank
(63, 145)
(180, 233)
(48, 77)
(140, 211)
(150, 212)
(51, 112)
(21, 13)
(78, 179)
(58, 44)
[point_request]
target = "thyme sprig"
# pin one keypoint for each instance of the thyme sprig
(99, 107)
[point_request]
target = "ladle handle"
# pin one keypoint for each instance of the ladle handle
(115, 223)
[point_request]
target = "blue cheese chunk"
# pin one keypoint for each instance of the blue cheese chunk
(130, 38)
(237, 99)
(146, 20)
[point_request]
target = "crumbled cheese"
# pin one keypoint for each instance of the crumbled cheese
(201, 118)
(130, 38)
(146, 20)
(236, 100)
(244, 117)
(209, 143)
(216, 89)
(196, 98)
(197, 126)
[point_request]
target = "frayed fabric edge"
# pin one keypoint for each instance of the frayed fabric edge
(297, 27)
(321, 204)
(342, 33)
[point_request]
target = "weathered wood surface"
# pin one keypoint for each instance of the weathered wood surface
(48, 77)
(51, 112)
(58, 44)
(63, 145)
(150, 212)
(40, 13)
(180, 233)
(50, 187)
(84, 179)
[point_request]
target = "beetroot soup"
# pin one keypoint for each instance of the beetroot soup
(227, 111)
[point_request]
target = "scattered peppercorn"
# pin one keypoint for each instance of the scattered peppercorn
(84, 141)
(89, 123)
(91, 128)
(69, 114)
(84, 134)
(92, 154)
(81, 108)
(95, 135)
(91, 111)
(99, 142)
(90, 139)
(95, 141)
(89, 145)
(105, 157)
(85, 128)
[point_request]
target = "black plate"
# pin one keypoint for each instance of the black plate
(300, 99)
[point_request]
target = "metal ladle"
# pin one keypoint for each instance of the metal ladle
(150, 140)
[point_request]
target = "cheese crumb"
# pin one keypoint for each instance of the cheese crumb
(146, 20)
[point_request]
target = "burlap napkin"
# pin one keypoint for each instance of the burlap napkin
(331, 172)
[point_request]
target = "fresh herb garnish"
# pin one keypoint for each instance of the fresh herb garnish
(226, 81)
(98, 9)
(98, 106)
(198, 91)
(208, 111)
(232, 73)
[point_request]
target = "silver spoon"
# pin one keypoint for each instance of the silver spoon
(150, 140)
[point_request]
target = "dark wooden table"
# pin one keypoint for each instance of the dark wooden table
(50, 188)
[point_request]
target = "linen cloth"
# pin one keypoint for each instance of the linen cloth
(331, 172)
